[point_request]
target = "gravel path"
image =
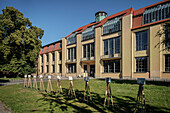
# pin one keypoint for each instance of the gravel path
(4, 109)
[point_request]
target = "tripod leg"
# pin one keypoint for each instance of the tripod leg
(137, 100)
(85, 92)
(111, 95)
(90, 93)
(105, 97)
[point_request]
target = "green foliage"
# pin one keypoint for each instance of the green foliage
(19, 42)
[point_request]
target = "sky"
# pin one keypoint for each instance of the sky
(58, 18)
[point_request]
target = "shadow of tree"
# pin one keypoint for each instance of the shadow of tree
(122, 104)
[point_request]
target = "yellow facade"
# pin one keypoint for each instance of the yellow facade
(128, 54)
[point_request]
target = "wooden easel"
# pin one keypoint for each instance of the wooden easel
(59, 88)
(35, 83)
(140, 97)
(71, 89)
(87, 88)
(108, 95)
(25, 81)
(49, 86)
(41, 84)
(29, 82)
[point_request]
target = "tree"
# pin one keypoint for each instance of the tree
(19, 42)
(165, 32)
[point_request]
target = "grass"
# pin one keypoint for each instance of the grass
(10, 79)
(26, 100)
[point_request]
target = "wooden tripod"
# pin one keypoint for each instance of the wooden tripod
(59, 88)
(25, 82)
(140, 97)
(49, 86)
(29, 83)
(87, 88)
(35, 83)
(71, 89)
(108, 95)
(41, 84)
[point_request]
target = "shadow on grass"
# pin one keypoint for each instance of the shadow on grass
(121, 81)
(63, 103)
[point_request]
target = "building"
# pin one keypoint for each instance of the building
(119, 46)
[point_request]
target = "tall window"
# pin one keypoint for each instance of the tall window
(42, 58)
(141, 64)
(47, 69)
(88, 50)
(112, 25)
(167, 63)
(71, 53)
(71, 68)
(72, 38)
(47, 57)
(167, 34)
(42, 50)
(112, 46)
(89, 33)
(42, 69)
(60, 68)
(53, 56)
(156, 13)
(141, 40)
(53, 46)
(111, 66)
(53, 66)
(47, 48)
(60, 55)
(61, 45)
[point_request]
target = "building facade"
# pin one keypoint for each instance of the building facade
(122, 45)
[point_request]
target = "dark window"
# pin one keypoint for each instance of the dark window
(141, 40)
(47, 68)
(60, 68)
(72, 53)
(167, 34)
(60, 45)
(71, 68)
(112, 46)
(167, 63)
(53, 46)
(105, 47)
(141, 64)
(42, 69)
(47, 57)
(53, 66)
(53, 55)
(84, 51)
(85, 68)
(42, 50)
(47, 48)
(68, 54)
(111, 66)
(42, 58)
(60, 55)
(88, 50)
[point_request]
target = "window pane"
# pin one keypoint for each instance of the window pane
(141, 64)
(105, 47)
(117, 45)
(84, 51)
(141, 40)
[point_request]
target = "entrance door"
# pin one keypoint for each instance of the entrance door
(92, 70)
(85, 68)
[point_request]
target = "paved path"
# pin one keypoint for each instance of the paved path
(4, 109)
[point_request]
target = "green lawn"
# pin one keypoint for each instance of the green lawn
(21, 99)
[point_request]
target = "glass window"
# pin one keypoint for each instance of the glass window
(42, 69)
(53, 46)
(71, 68)
(111, 46)
(47, 57)
(111, 66)
(53, 55)
(141, 40)
(89, 33)
(60, 68)
(167, 63)
(167, 34)
(47, 68)
(105, 47)
(84, 51)
(111, 26)
(42, 58)
(72, 39)
(92, 49)
(72, 53)
(53, 66)
(42, 50)
(117, 45)
(60, 45)
(156, 13)
(47, 48)
(88, 50)
(60, 55)
(141, 64)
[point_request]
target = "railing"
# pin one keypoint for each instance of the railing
(87, 58)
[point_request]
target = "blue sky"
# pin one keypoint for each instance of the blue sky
(58, 18)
